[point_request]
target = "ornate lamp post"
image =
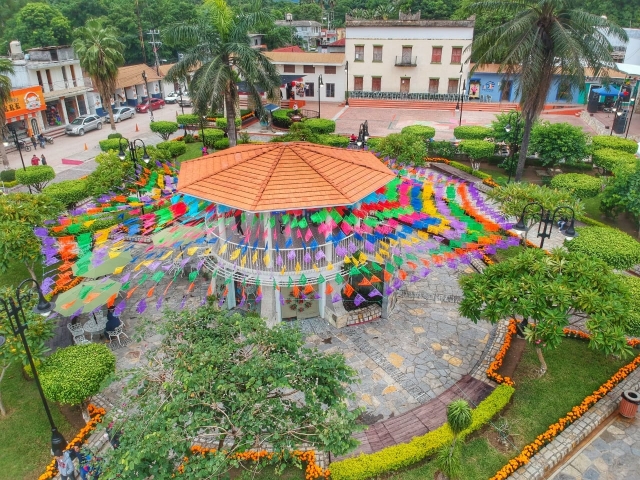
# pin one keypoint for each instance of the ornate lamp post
(363, 134)
(616, 113)
(18, 324)
(181, 105)
(632, 105)
(346, 69)
(460, 102)
(134, 158)
(515, 119)
(548, 219)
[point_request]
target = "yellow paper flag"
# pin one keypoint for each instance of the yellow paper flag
(266, 259)
(254, 258)
(223, 249)
(243, 262)
(329, 266)
(166, 255)
(235, 254)
(192, 250)
(379, 258)
(315, 267)
(347, 259)
(118, 270)
(298, 267)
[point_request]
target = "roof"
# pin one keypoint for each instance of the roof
(132, 75)
(306, 58)
(291, 48)
(588, 72)
(297, 23)
(283, 176)
(338, 43)
(165, 68)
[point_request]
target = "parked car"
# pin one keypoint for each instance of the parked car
(83, 124)
(155, 104)
(123, 113)
(185, 101)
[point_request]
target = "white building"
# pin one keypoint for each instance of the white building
(301, 72)
(131, 87)
(307, 30)
(408, 56)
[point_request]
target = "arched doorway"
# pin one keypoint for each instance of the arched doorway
(35, 128)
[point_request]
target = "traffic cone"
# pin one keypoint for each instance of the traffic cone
(137, 129)
(85, 147)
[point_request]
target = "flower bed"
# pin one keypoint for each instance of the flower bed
(96, 415)
(492, 371)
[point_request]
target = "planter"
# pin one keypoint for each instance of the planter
(296, 118)
(629, 404)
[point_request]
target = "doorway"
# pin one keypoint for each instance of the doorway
(405, 85)
(34, 127)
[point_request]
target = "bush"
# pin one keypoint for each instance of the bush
(188, 138)
(281, 118)
(616, 143)
(68, 192)
(421, 131)
(221, 144)
(212, 135)
(221, 123)
(109, 175)
(477, 149)
(188, 119)
(406, 149)
(163, 128)
(632, 326)
(114, 135)
(8, 175)
(332, 140)
(611, 159)
(466, 132)
(175, 148)
(579, 184)
(36, 176)
(75, 373)
(114, 144)
(616, 248)
(320, 125)
(406, 454)
(442, 148)
(557, 142)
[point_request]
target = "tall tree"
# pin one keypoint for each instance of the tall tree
(100, 54)
(6, 68)
(40, 25)
(543, 39)
(218, 49)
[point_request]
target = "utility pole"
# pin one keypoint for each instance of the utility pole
(156, 46)
(144, 53)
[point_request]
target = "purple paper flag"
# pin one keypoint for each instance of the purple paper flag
(159, 303)
(358, 300)
(336, 298)
(375, 293)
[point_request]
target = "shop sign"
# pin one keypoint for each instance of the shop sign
(24, 101)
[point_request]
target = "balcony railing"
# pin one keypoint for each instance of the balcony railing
(406, 61)
(83, 82)
(432, 97)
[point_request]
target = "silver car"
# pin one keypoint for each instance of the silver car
(123, 113)
(83, 124)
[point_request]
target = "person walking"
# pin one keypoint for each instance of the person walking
(42, 140)
(65, 465)
(83, 459)
(239, 223)
(43, 160)
(34, 141)
(35, 160)
(205, 151)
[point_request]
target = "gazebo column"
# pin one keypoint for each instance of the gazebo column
(328, 253)
(269, 306)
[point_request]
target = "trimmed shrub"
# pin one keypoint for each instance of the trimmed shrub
(188, 138)
(467, 132)
(221, 144)
(632, 326)
(8, 175)
(617, 143)
(442, 148)
(163, 128)
(109, 175)
(75, 373)
(68, 192)
(221, 123)
(616, 248)
(36, 176)
(406, 149)
(557, 142)
(611, 159)
(175, 148)
(114, 135)
(320, 125)
(212, 135)
(403, 455)
(579, 184)
(188, 119)
(114, 144)
(374, 144)
(332, 140)
(281, 118)
(477, 149)
(421, 131)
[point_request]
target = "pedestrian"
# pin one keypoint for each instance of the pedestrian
(239, 223)
(35, 160)
(150, 114)
(83, 459)
(204, 150)
(113, 322)
(43, 160)
(65, 465)
(34, 141)
(42, 140)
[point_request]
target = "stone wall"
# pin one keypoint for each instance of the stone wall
(339, 317)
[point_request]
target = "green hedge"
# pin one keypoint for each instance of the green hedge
(281, 118)
(400, 456)
(421, 131)
(469, 170)
(221, 144)
(616, 248)
(442, 148)
(320, 125)
(632, 326)
(188, 119)
(332, 140)
(212, 135)
(477, 149)
(610, 159)
(75, 373)
(36, 176)
(68, 192)
(175, 148)
(163, 128)
(114, 144)
(8, 175)
(617, 143)
(467, 132)
(222, 123)
(579, 184)
(114, 135)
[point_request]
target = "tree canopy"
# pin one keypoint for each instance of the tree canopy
(6, 68)
(40, 25)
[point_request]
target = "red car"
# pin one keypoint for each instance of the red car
(155, 104)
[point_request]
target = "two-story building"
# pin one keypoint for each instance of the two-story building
(301, 74)
(131, 86)
(307, 30)
(408, 55)
(57, 73)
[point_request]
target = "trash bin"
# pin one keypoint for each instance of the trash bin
(629, 403)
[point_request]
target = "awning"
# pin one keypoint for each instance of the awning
(609, 91)
(270, 107)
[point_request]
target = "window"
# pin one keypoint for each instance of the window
(453, 85)
(436, 55)
(377, 53)
(357, 83)
(406, 55)
(289, 69)
(456, 55)
(309, 69)
(359, 53)
(330, 91)
(376, 84)
(434, 85)
(309, 90)
(329, 69)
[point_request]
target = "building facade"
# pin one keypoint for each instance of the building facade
(408, 56)
(307, 30)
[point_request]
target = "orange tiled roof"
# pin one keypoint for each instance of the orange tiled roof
(283, 176)
(293, 48)
(132, 75)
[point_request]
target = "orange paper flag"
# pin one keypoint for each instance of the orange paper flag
(191, 287)
(348, 290)
(375, 279)
(111, 300)
(329, 289)
(131, 291)
(210, 290)
(308, 289)
(387, 276)
(365, 282)
(402, 274)
(167, 289)
(150, 292)
(296, 291)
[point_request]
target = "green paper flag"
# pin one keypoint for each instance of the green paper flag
(193, 275)
(272, 221)
(321, 279)
(364, 269)
(397, 260)
(143, 279)
(339, 279)
(303, 279)
(302, 223)
(354, 271)
(157, 276)
(285, 219)
(376, 267)
(290, 282)
(390, 268)
(125, 287)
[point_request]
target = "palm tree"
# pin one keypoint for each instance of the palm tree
(543, 39)
(218, 49)
(6, 68)
(100, 54)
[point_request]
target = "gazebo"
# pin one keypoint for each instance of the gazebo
(275, 241)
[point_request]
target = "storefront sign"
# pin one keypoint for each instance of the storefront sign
(489, 86)
(24, 101)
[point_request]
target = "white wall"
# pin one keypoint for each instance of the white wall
(338, 79)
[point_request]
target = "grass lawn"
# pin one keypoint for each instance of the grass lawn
(16, 273)
(194, 150)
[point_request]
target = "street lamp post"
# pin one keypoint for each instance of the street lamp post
(616, 113)
(16, 141)
(547, 219)
(134, 157)
(513, 148)
(146, 85)
(13, 310)
(363, 134)
(320, 85)
(458, 101)
(181, 105)
(346, 69)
